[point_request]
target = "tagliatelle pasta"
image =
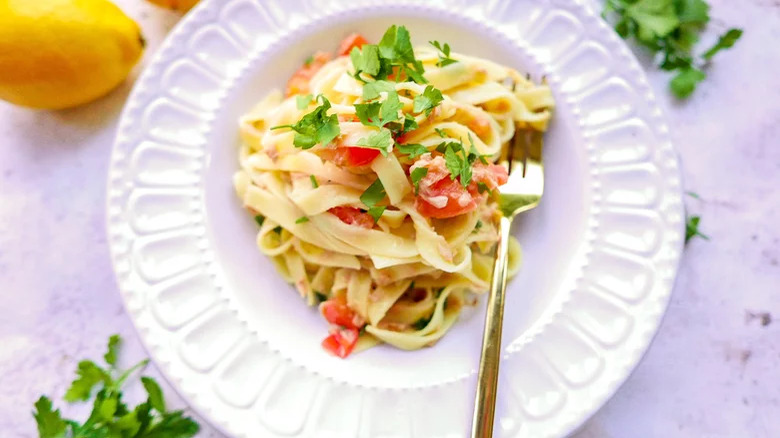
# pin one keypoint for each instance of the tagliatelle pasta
(373, 182)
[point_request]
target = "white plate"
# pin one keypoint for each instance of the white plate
(600, 252)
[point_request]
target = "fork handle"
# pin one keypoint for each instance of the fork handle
(487, 382)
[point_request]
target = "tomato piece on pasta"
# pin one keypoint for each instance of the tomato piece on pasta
(351, 41)
(299, 81)
(355, 156)
(353, 216)
(341, 341)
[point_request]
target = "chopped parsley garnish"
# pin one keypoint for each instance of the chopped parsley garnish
(321, 297)
(671, 27)
(373, 195)
(392, 57)
(441, 133)
(482, 187)
(382, 140)
(278, 229)
(693, 195)
(445, 50)
(302, 219)
(316, 127)
(259, 219)
(314, 183)
(458, 162)
(478, 225)
(428, 100)
(421, 323)
(111, 416)
(379, 113)
(413, 150)
(371, 90)
(302, 102)
(308, 60)
(410, 124)
(692, 229)
(417, 175)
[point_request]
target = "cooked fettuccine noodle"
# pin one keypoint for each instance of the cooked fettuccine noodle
(397, 268)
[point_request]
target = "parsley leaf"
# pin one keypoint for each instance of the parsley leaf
(410, 124)
(89, 375)
(313, 181)
(413, 150)
(692, 229)
(683, 84)
(316, 127)
(365, 60)
(376, 212)
(482, 187)
(320, 296)
(50, 422)
(113, 346)
(428, 100)
(441, 133)
(478, 225)
(308, 60)
(725, 41)
(421, 323)
(417, 175)
(445, 50)
(372, 89)
(301, 220)
(379, 113)
(259, 219)
(373, 194)
(672, 28)
(453, 162)
(302, 102)
(382, 140)
(110, 416)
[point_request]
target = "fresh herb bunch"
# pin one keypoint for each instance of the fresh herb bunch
(672, 28)
(111, 417)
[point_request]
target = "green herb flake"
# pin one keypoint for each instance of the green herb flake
(441, 133)
(371, 90)
(302, 102)
(316, 127)
(692, 229)
(421, 323)
(320, 297)
(413, 150)
(301, 220)
(308, 60)
(483, 188)
(376, 212)
(417, 175)
(259, 219)
(373, 194)
(314, 183)
(684, 83)
(428, 100)
(382, 140)
(444, 57)
(278, 229)
(478, 225)
(726, 41)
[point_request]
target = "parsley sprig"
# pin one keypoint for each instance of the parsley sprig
(110, 416)
(372, 196)
(392, 58)
(459, 161)
(444, 57)
(672, 28)
(316, 127)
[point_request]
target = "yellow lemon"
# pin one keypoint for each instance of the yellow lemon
(179, 5)
(62, 53)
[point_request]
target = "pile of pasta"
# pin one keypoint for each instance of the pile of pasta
(404, 278)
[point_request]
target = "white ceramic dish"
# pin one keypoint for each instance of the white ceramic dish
(601, 251)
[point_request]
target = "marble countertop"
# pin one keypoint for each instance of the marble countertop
(711, 371)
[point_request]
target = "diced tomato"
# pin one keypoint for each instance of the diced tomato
(299, 81)
(353, 216)
(341, 341)
(459, 200)
(353, 40)
(438, 183)
(354, 156)
(337, 312)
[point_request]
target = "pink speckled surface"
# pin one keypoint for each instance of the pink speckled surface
(712, 371)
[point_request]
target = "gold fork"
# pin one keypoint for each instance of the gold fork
(523, 159)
